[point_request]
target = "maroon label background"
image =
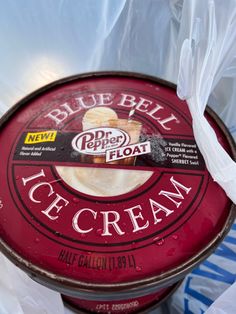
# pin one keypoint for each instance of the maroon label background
(124, 258)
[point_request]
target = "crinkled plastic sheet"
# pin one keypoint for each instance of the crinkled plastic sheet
(21, 295)
(208, 54)
(45, 40)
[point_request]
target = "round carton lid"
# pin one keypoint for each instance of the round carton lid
(103, 185)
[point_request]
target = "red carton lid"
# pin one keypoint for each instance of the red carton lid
(103, 185)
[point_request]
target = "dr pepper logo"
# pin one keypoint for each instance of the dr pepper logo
(97, 141)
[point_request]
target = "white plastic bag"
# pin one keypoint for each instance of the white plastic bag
(225, 303)
(207, 49)
(19, 294)
(208, 54)
(45, 40)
